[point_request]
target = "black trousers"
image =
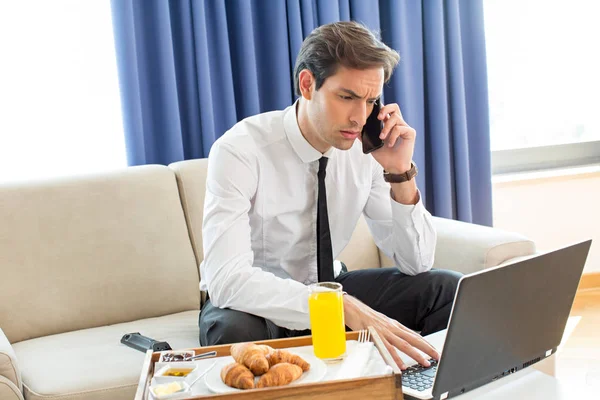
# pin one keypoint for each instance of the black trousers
(422, 302)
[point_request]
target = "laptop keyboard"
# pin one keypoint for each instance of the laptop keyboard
(418, 377)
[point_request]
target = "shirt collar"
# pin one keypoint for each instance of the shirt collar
(303, 149)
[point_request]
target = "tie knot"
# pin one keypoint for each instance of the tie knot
(323, 164)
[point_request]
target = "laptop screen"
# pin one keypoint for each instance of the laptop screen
(507, 318)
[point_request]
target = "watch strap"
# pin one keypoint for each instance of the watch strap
(403, 177)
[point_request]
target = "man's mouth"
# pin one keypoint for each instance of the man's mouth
(350, 134)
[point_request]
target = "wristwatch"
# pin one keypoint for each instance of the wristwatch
(403, 177)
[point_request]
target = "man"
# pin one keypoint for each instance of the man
(261, 208)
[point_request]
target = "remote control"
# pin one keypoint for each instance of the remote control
(142, 343)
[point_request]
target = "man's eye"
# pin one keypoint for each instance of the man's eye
(345, 97)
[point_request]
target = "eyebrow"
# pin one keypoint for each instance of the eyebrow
(353, 94)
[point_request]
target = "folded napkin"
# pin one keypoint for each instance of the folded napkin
(355, 363)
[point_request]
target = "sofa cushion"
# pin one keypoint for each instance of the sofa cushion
(87, 251)
(361, 251)
(92, 363)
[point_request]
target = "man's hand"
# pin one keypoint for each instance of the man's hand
(396, 155)
(393, 334)
(399, 138)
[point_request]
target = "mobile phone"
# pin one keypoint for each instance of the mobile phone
(372, 130)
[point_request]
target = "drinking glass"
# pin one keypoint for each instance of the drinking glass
(326, 309)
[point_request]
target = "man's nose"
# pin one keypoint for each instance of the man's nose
(359, 114)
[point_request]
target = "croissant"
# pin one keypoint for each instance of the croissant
(280, 375)
(266, 349)
(283, 356)
(237, 376)
(250, 355)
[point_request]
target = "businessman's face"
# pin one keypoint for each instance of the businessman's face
(339, 109)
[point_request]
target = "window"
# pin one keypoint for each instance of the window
(59, 93)
(544, 83)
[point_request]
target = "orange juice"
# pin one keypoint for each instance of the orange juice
(326, 309)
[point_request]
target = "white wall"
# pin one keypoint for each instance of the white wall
(551, 210)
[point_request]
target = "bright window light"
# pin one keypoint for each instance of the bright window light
(60, 111)
(544, 72)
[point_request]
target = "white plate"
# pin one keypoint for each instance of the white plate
(316, 372)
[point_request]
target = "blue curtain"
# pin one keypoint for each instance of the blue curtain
(190, 69)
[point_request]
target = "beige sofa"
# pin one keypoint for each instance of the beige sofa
(84, 260)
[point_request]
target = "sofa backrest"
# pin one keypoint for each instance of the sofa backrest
(360, 253)
(89, 251)
(191, 180)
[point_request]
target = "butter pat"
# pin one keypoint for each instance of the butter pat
(168, 388)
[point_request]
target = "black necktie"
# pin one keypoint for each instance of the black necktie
(324, 251)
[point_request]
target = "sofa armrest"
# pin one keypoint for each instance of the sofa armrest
(467, 248)
(8, 390)
(8, 364)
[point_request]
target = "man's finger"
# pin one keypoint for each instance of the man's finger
(415, 340)
(425, 347)
(394, 354)
(409, 350)
(403, 132)
(392, 122)
(391, 109)
(394, 135)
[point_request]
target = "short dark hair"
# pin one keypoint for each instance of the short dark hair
(346, 43)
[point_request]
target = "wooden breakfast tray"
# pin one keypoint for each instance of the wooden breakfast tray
(379, 387)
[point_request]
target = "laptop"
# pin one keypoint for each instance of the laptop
(503, 319)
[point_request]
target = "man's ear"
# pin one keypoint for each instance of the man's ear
(306, 82)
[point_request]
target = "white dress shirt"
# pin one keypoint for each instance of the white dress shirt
(260, 213)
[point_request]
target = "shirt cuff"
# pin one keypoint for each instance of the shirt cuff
(406, 214)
